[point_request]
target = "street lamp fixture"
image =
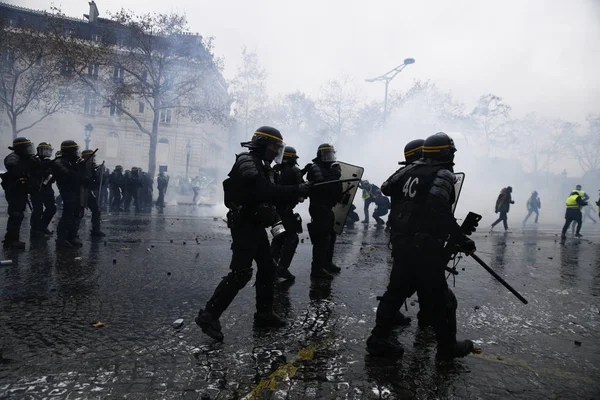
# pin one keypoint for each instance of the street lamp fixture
(188, 153)
(387, 78)
(88, 134)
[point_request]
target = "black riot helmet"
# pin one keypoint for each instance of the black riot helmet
(290, 155)
(22, 147)
(69, 149)
(119, 168)
(326, 153)
(86, 153)
(413, 150)
(267, 142)
(439, 147)
(44, 150)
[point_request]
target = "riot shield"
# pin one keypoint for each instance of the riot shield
(342, 208)
(460, 179)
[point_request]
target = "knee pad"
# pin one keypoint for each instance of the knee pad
(241, 278)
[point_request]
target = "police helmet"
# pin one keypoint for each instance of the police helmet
(439, 147)
(268, 143)
(119, 168)
(44, 150)
(289, 154)
(413, 150)
(69, 148)
(326, 153)
(578, 187)
(86, 154)
(22, 146)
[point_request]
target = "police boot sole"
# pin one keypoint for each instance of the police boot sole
(209, 330)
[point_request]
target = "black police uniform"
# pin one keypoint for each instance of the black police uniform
(322, 200)
(117, 185)
(422, 197)
(69, 179)
(145, 192)
(162, 182)
(91, 185)
(43, 201)
(382, 204)
(133, 183)
(17, 183)
(250, 192)
(103, 197)
(284, 246)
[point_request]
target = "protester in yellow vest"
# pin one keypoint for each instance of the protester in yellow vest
(574, 203)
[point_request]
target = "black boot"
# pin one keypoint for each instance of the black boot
(63, 243)
(268, 319)
(320, 273)
(401, 319)
(380, 345)
(209, 325)
(285, 274)
(75, 242)
(459, 349)
(332, 268)
(98, 233)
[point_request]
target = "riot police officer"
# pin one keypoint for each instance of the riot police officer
(162, 183)
(17, 182)
(91, 186)
(117, 183)
(322, 200)
(145, 192)
(69, 173)
(43, 202)
(422, 220)
(250, 192)
(133, 183)
(284, 246)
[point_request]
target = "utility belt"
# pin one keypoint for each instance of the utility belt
(263, 214)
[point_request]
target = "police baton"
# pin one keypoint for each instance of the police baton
(498, 277)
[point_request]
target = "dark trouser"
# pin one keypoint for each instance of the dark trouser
(537, 214)
(72, 212)
(103, 201)
(284, 246)
(321, 235)
(115, 194)
(95, 210)
(17, 201)
(44, 208)
(160, 202)
(572, 214)
(503, 217)
(379, 212)
(131, 194)
(250, 242)
(352, 218)
(422, 268)
(366, 209)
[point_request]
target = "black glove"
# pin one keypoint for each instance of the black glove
(304, 189)
(467, 246)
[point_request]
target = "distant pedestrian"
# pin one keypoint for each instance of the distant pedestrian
(533, 206)
(503, 206)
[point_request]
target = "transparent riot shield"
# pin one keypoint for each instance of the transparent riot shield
(342, 208)
(460, 179)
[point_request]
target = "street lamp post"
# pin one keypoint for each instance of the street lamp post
(88, 134)
(387, 78)
(188, 152)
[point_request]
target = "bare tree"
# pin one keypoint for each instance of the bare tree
(490, 118)
(34, 80)
(295, 113)
(152, 62)
(337, 106)
(249, 91)
(585, 148)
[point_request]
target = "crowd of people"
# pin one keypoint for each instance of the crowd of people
(82, 184)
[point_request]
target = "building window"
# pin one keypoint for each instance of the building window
(96, 37)
(112, 145)
(165, 116)
(115, 108)
(118, 74)
(141, 107)
(93, 70)
(89, 104)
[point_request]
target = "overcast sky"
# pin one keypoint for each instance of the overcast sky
(539, 55)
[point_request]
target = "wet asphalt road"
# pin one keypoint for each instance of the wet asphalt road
(138, 283)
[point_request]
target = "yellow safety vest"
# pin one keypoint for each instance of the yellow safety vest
(581, 193)
(572, 201)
